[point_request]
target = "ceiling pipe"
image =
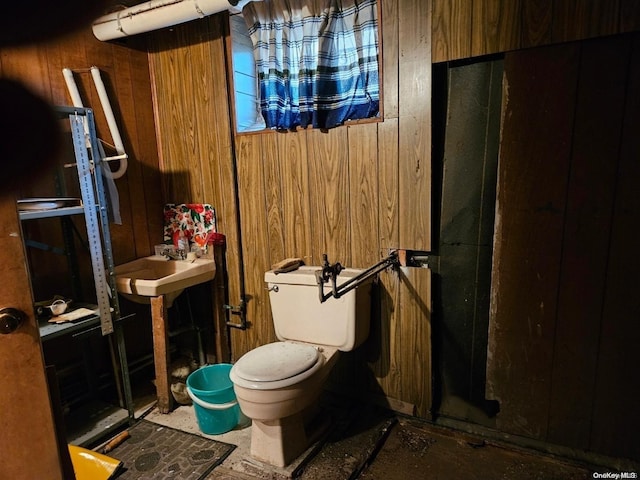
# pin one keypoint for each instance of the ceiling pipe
(157, 14)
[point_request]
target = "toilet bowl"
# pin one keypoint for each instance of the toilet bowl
(278, 384)
(278, 407)
(295, 381)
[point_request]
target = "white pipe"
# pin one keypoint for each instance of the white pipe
(156, 14)
(72, 87)
(76, 99)
(111, 122)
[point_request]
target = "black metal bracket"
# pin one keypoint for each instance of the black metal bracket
(329, 273)
(241, 311)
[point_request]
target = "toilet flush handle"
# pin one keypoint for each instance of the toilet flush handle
(273, 289)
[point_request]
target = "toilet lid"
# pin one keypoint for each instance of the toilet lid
(276, 361)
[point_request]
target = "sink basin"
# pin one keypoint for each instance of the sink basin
(153, 276)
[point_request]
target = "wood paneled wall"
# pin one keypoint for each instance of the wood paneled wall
(564, 316)
(353, 193)
(469, 28)
(125, 72)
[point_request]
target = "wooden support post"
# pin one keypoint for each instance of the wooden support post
(160, 323)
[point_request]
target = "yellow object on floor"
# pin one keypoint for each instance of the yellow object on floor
(90, 465)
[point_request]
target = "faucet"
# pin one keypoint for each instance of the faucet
(178, 254)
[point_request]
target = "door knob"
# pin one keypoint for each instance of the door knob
(10, 320)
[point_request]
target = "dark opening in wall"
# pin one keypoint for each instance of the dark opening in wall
(466, 131)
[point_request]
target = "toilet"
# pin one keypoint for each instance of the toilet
(277, 384)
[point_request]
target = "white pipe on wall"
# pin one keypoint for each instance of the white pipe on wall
(111, 122)
(76, 100)
(157, 14)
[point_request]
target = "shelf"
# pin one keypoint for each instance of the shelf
(78, 327)
(33, 208)
(93, 418)
(54, 212)
(94, 421)
(53, 330)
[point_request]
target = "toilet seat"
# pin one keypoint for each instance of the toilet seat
(276, 365)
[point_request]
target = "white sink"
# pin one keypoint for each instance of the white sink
(153, 276)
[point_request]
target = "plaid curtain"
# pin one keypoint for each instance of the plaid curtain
(317, 60)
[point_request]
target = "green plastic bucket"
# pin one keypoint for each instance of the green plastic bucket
(214, 400)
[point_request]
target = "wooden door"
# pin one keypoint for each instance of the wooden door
(27, 432)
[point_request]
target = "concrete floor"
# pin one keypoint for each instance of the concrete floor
(367, 443)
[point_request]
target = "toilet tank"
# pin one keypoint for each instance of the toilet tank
(298, 315)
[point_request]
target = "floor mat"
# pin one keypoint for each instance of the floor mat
(157, 452)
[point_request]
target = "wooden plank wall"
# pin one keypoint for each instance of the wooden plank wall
(353, 193)
(125, 72)
(191, 100)
(564, 316)
(470, 28)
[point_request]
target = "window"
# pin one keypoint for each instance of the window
(245, 79)
(309, 67)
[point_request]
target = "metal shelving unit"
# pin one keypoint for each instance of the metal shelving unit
(96, 418)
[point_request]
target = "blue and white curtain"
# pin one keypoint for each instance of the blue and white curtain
(317, 60)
